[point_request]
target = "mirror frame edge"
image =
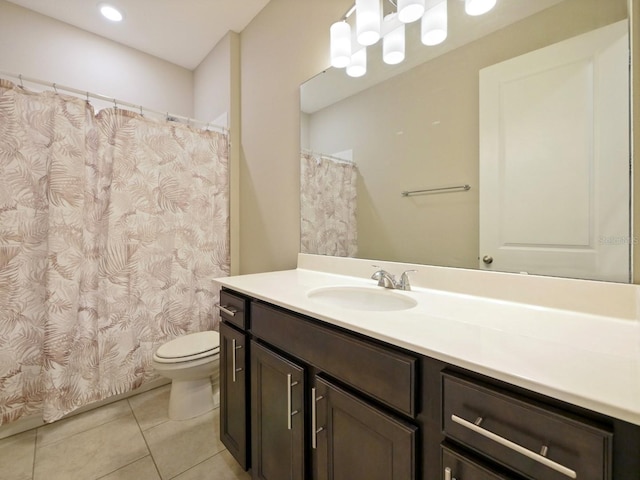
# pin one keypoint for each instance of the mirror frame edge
(633, 11)
(634, 46)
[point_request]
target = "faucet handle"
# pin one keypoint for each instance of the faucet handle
(404, 280)
(384, 278)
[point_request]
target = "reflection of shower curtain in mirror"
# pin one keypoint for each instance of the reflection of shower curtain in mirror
(112, 229)
(328, 206)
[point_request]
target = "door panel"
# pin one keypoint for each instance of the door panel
(233, 393)
(357, 441)
(554, 159)
(277, 445)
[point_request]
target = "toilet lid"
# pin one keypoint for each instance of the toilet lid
(198, 345)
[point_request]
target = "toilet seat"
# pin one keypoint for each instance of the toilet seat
(189, 347)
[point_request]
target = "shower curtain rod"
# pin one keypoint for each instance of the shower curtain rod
(117, 103)
(330, 157)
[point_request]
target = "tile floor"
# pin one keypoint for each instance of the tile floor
(132, 439)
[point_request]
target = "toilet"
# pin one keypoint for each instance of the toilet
(191, 362)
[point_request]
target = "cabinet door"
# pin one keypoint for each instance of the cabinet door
(277, 422)
(356, 441)
(459, 467)
(233, 393)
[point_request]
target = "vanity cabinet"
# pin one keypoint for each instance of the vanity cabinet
(324, 392)
(234, 378)
(331, 404)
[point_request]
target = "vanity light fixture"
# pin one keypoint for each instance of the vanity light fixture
(110, 12)
(340, 44)
(434, 24)
(393, 42)
(358, 65)
(368, 20)
(410, 10)
(478, 7)
(349, 50)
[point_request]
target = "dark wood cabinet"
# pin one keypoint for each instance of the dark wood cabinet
(536, 442)
(305, 400)
(382, 373)
(278, 412)
(348, 436)
(356, 441)
(461, 467)
(234, 424)
(234, 376)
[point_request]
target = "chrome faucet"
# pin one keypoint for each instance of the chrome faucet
(387, 280)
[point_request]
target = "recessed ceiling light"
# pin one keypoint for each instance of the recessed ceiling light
(110, 12)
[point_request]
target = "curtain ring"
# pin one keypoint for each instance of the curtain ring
(55, 89)
(115, 104)
(87, 97)
(141, 114)
(21, 84)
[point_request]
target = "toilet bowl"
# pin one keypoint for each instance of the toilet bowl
(191, 362)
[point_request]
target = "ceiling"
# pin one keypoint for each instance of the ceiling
(182, 32)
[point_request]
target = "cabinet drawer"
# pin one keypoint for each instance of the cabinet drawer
(458, 467)
(383, 373)
(537, 442)
(232, 309)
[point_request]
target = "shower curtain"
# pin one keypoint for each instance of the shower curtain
(112, 229)
(328, 206)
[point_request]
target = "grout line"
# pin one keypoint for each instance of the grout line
(144, 438)
(93, 427)
(199, 463)
(122, 466)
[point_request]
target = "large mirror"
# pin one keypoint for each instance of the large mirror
(517, 126)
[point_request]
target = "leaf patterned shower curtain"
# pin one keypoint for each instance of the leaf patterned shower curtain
(328, 206)
(112, 229)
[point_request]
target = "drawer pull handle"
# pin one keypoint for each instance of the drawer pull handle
(447, 474)
(234, 369)
(231, 311)
(314, 419)
(514, 446)
(290, 385)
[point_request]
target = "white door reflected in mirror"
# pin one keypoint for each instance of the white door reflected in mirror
(550, 201)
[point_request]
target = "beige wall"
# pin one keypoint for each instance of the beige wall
(420, 130)
(283, 46)
(212, 81)
(40, 47)
(216, 92)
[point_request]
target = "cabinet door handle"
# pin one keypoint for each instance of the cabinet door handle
(515, 447)
(234, 370)
(447, 474)
(231, 311)
(314, 419)
(290, 413)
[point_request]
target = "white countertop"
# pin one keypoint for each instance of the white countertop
(589, 360)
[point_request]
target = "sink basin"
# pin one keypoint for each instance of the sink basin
(362, 298)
